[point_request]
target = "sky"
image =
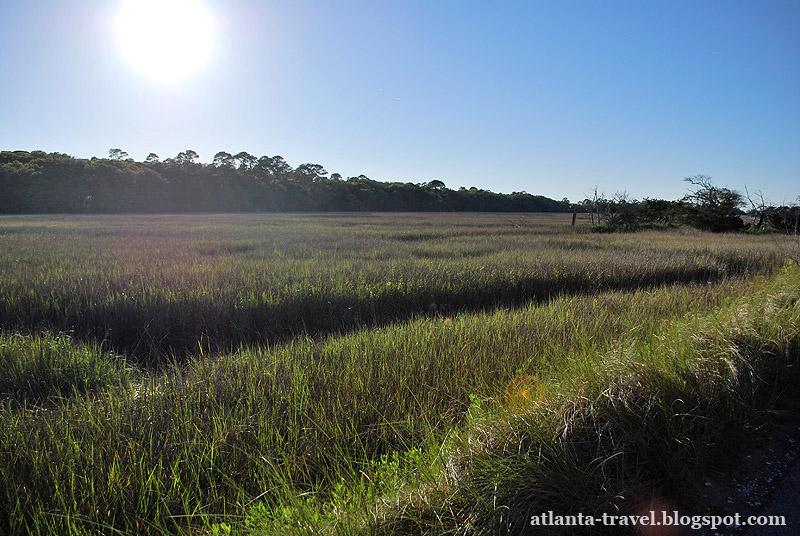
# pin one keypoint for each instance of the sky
(550, 97)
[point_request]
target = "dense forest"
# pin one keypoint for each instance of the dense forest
(39, 182)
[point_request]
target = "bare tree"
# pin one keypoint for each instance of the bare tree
(758, 207)
(595, 201)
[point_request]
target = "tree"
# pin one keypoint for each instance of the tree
(223, 159)
(186, 157)
(657, 210)
(593, 203)
(711, 208)
(619, 210)
(310, 172)
(758, 207)
(435, 184)
(151, 158)
(117, 154)
(273, 165)
(246, 160)
(785, 219)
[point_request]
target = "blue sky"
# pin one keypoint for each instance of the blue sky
(548, 97)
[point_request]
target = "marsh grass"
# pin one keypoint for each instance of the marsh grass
(289, 374)
(621, 431)
(160, 288)
(45, 368)
(300, 418)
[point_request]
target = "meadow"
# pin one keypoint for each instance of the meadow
(374, 373)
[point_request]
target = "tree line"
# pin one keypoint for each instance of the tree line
(706, 206)
(40, 182)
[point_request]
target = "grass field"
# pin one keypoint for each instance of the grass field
(374, 374)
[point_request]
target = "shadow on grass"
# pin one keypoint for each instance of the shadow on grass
(153, 334)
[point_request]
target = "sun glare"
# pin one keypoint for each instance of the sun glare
(165, 40)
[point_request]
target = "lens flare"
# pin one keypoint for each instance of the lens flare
(523, 393)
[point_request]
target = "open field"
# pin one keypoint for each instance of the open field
(379, 373)
(149, 285)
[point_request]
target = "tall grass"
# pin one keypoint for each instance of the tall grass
(298, 417)
(158, 288)
(311, 368)
(624, 431)
(46, 368)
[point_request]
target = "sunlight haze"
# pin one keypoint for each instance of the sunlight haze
(167, 41)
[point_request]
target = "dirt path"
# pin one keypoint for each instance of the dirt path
(766, 483)
(785, 501)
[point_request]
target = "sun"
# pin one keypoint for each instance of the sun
(167, 41)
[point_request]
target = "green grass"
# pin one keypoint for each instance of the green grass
(620, 430)
(288, 373)
(47, 368)
(158, 287)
